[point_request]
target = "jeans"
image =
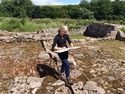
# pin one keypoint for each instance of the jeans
(65, 64)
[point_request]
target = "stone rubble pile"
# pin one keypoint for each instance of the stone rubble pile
(45, 34)
(25, 85)
(80, 88)
(10, 37)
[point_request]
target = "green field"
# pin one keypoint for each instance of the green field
(77, 37)
(29, 25)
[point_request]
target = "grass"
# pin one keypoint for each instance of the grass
(77, 37)
(123, 29)
(112, 47)
(114, 21)
(29, 25)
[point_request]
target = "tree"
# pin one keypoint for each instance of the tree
(6, 8)
(78, 12)
(24, 5)
(119, 9)
(102, 9)
(85, 4)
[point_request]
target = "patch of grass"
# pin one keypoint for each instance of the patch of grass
(113, 21)
(77, 37)
(123, 29)
(112, 47)
(29, 25)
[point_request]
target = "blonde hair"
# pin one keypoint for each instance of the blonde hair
(61, 29)
(66, 29)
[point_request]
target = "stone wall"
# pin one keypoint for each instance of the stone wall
(10, 37)
(45, 34)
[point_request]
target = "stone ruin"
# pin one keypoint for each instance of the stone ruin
(101, 30)
(21, 84)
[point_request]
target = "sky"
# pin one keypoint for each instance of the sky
(55, 2)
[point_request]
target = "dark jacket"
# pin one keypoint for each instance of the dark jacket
(61, 42)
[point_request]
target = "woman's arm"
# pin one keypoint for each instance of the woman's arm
(69, 41)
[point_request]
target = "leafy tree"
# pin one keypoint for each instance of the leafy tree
(85, 4)
(37, 12)
(102, 9)
(6, 8)
(119, 9)
(26, 6)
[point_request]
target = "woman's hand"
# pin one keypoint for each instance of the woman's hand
(71, 45)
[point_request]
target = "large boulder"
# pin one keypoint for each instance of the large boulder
(120, 36)
(100, 30)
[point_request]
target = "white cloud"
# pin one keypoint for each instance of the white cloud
(46, 2)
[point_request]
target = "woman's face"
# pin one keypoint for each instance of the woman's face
(62, 33)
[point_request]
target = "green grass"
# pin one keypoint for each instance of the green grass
(111, 47)
(113, 21)
(29, 25)
(77, 37)
(123, 29)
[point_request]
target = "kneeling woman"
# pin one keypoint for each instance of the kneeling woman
(59, 42)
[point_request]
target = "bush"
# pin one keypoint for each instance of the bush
(10, 25)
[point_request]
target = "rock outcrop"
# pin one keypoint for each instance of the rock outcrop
(99, 30)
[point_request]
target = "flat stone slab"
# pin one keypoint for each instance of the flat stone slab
(75, 73)
(58, 83)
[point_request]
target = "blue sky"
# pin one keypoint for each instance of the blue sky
(55, 2)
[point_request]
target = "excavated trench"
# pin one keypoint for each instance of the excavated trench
(100, 61)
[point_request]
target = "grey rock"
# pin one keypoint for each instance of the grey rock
(120, 36)
(92, 86)
(111, 78)
(54, 55)
(78, 86)
(49, 88)
(58, 83)
(123, 92)
(20, 89)
(34, 82)
(44, 55)
(98, 30)
(34, 90)
(92, 71)
(79, 55)
(23, 85)
(75, 73)
(71, 60)
(62, 90)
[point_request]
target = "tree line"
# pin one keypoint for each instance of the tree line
(95, 9)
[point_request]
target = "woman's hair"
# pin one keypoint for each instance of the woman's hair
(61, 29)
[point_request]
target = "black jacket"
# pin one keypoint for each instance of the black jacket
(61, 41)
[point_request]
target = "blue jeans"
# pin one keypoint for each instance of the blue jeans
(65, 64)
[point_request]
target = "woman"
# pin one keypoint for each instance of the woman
(59, 43)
